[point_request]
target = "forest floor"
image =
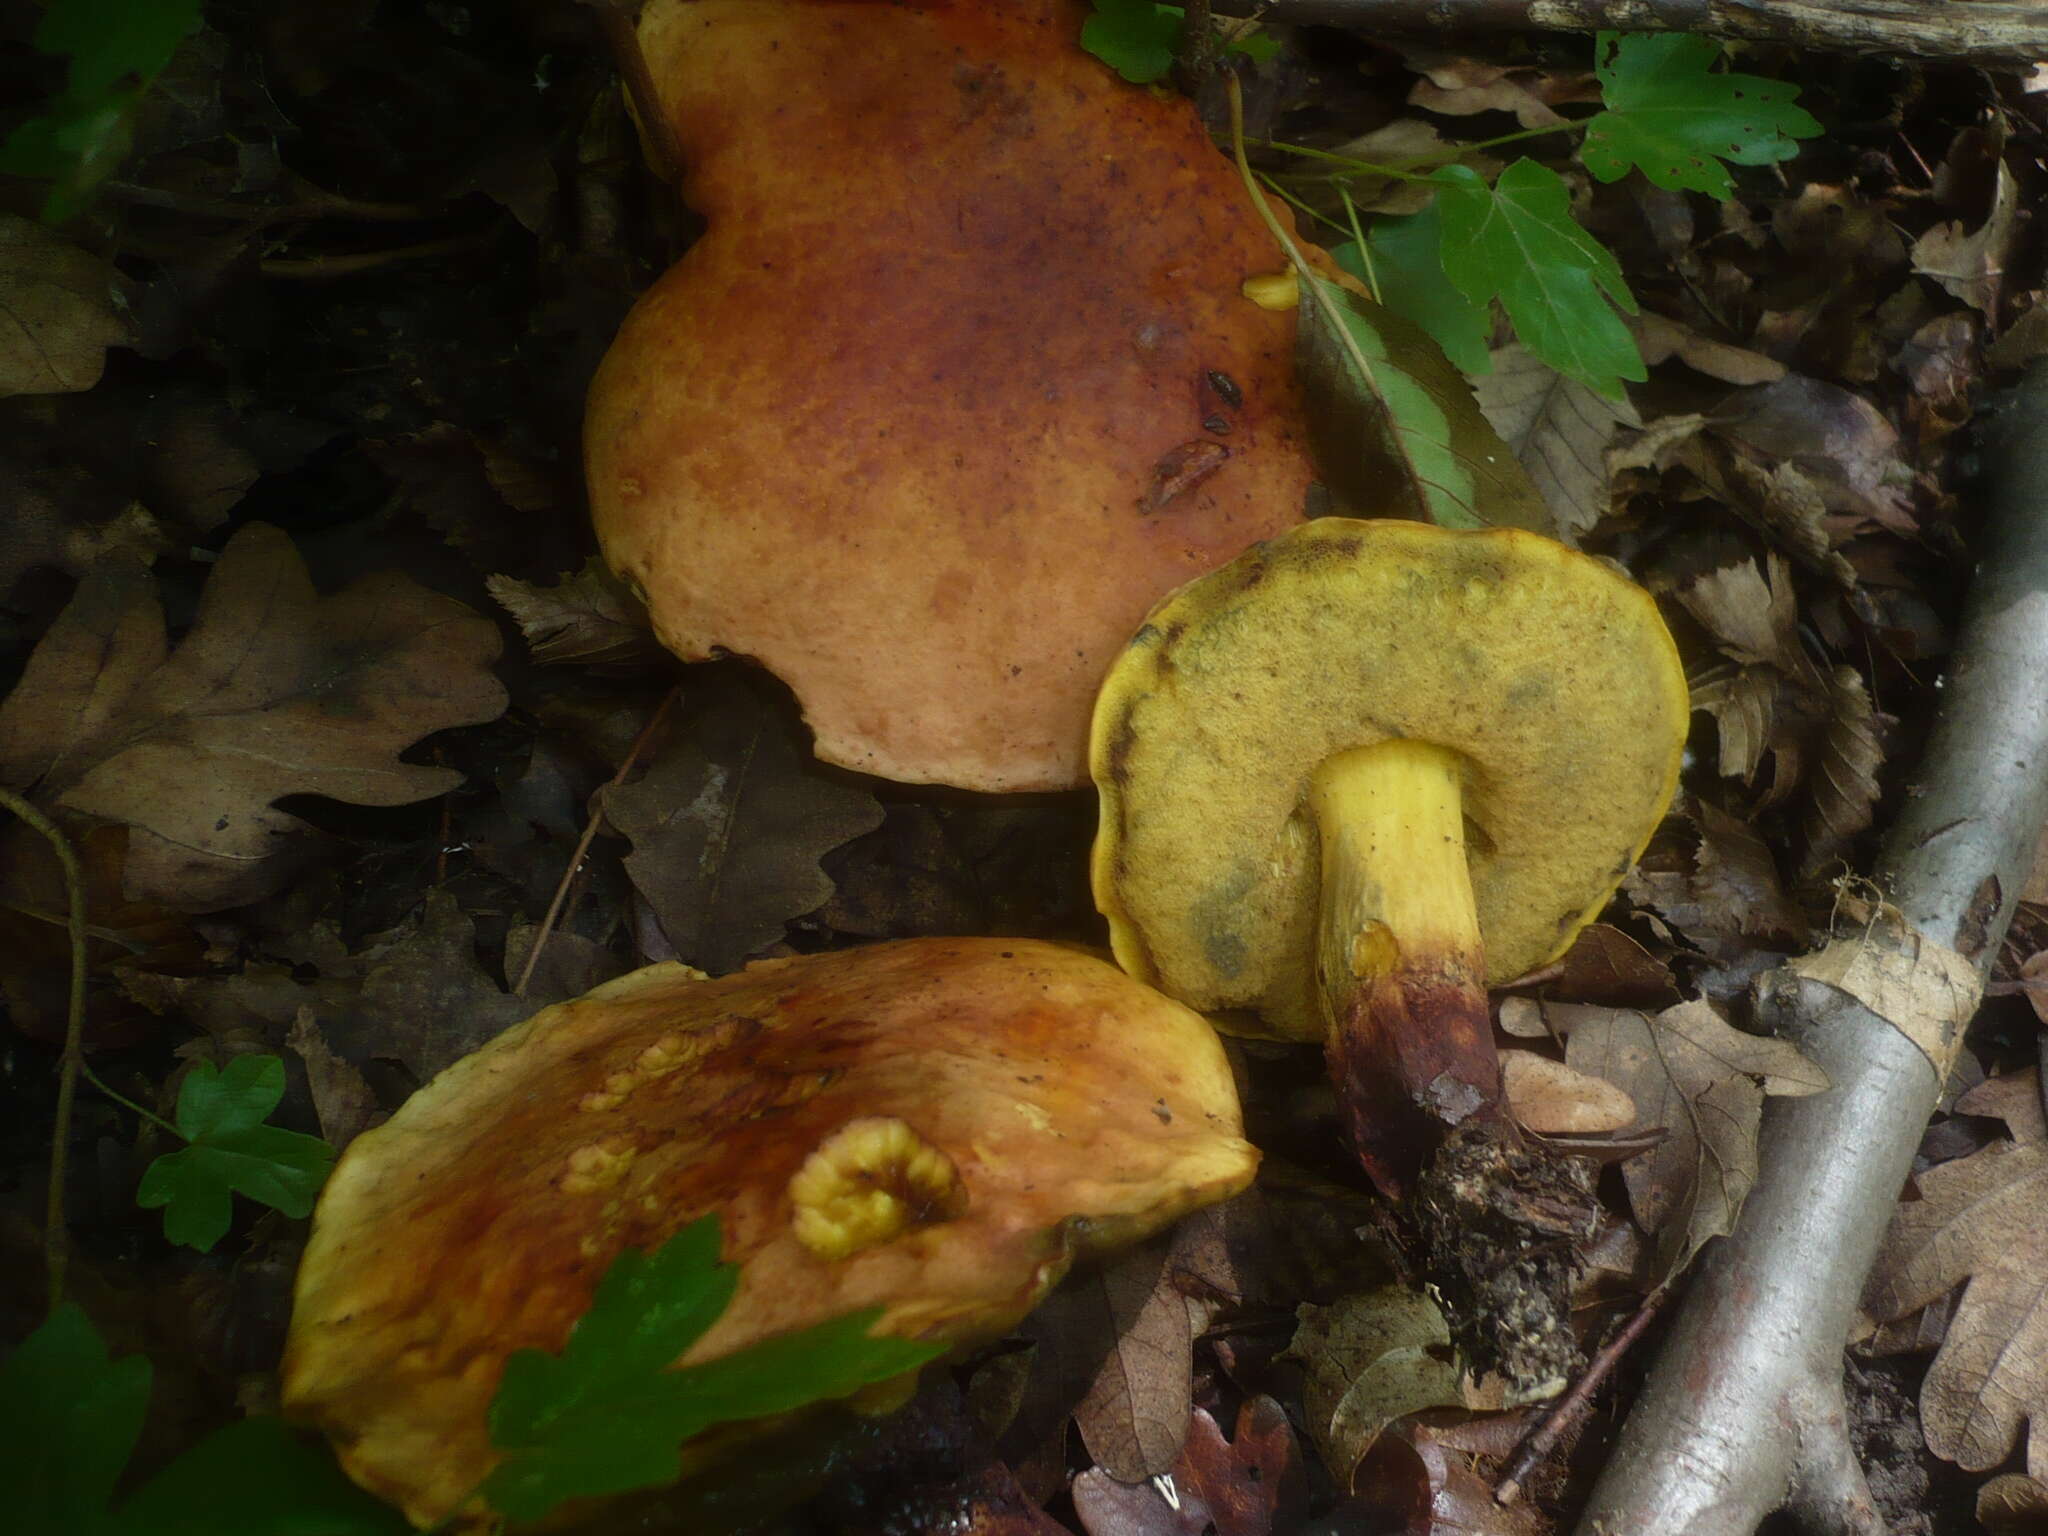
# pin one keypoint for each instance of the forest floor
(366, 258)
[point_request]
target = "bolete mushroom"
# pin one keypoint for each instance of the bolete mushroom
(935, 1128)
(1367, 768)
(956, 383)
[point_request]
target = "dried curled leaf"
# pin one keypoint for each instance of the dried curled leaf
(1781, 501)
(275, 691)
(1704, 1082)
(1753, 614)
(1250, 1486)
(1551, 1099)
(588, 617)
(1560, 430)
(1730, 897)
(1844, 448)
(1971, 263)
(1845, 786)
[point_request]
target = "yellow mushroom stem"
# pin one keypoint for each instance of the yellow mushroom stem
(1399, 963)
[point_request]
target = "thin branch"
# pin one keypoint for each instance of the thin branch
(620, 20)
(1994, 33)
(1565, 1415)
(151, 1116)
(590, 826)
(327, 268)
(307, 201)
(56, 1238)
(1743, 1411)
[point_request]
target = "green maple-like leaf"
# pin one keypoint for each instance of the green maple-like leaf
(1675, 120)
(232, 1151)
(1136, 38)
(69, 1415)
(1517, 241)
(608, 1415)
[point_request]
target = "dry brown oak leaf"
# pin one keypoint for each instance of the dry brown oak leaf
(1703, 1083)
(275, 691)
(1978, 1219)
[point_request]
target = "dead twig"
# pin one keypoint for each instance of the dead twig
(327, 268)
(620, 20)
(2009, 34)
(590, 826)
(1564, 1415)
(1743, 1412)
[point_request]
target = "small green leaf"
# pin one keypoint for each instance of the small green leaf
(256, 1478)
(1517, 241)
(232, 1151)
(69, 1416)
(1672, 118)
(608, 1414)
(1407, 253)
(1136, 38)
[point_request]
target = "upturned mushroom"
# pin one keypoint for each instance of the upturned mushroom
(1363, 771)
(956, 383)
(934, 1128)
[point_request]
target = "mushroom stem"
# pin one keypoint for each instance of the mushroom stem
(1400, 967)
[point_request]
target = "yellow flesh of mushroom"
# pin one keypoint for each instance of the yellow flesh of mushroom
(1400, 966)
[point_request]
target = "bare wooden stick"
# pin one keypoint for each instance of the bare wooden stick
(1743, 1412)
(2010, 34)
(590, 826)
(1565, 1415)
(56, 1235)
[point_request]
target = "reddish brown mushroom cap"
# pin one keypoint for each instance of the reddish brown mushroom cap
(937, 1128)
(957, 383)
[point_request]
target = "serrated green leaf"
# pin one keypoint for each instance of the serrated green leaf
(1136, 38)
(256, 1478)
(231, 1151)
(815, 1365)
(1517, 241)
(69, 1415)
(1675, 120)
(608, 1414)
(1393, 427)
(648, 1309)
(1407, 258)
